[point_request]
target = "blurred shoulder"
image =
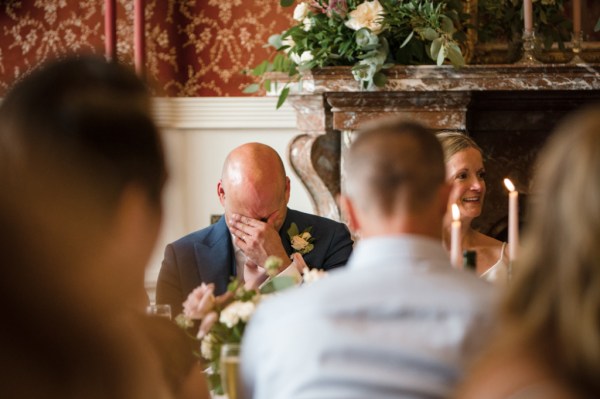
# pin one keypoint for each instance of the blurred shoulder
(510, 372)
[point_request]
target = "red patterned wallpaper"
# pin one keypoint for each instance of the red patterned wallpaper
(194, 47)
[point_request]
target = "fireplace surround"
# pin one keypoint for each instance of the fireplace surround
(509, 110)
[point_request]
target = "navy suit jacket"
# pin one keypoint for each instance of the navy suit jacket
(207, 256)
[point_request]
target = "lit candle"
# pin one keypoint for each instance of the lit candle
(513, 220)
(110, 29)
(138, 36)
(455, 252)
(576, 17)
(528, 15)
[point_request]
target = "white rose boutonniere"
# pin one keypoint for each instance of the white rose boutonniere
(301, 241)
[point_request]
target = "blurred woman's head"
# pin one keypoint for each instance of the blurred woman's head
(557, 293)
(81, 171)
(83, 162)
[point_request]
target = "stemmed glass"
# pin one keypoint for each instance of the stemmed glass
(230, 364)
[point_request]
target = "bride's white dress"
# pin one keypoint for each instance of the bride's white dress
(499, 272)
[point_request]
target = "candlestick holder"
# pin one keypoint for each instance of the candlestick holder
(576, 40)
(528, 57)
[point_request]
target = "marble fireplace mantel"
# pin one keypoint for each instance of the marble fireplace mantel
(508, 109)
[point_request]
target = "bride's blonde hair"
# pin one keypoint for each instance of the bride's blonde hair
(554, 303)
(454, 141)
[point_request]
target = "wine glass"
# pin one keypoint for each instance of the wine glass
(230, 364)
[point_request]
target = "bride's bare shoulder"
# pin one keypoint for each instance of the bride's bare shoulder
(483, 240)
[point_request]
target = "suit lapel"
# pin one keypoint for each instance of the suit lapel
(285, 239)
(214, 257)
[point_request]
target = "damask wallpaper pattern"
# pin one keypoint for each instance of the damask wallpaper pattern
(194, 47)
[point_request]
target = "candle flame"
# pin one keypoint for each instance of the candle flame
(509, 185)
(455, 212)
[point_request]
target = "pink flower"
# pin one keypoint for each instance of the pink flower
(316, 8)
(339, 7)
(199, 302)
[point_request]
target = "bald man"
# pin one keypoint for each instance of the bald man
(398, 321)
(254, 192)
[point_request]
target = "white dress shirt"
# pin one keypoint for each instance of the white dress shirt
(397, 322)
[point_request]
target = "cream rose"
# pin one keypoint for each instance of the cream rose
(308, 24)
(299, 243)
(301, 11)
(206, 347)
(367, 15)
(232, 314)
(302, 59)
(288, 41)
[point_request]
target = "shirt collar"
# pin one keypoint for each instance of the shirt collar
(403, 249)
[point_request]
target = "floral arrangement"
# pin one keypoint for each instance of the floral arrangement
(503, 19)
(369, 35)
(301, 242)
(223, 319)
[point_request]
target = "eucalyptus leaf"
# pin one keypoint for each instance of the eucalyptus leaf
(441, 55)
(543, 17)
(447, 25)
(278, 283)
(261, 68)
(275, 41)
(282, 97)
(455, 56)
(429, 34)
(286, 3)
(405, 42)
(379, 79)
(293, 230)
(435, 48)
(251, 88)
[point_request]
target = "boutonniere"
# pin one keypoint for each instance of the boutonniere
(301, 242)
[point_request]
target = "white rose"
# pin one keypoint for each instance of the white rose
(367, 15)
(246, 310)
(294, 57)
(229, 315)
(301, 11)
(206, 347)
(308, 24)
(288, 41)
(306, 57)
(299, 243)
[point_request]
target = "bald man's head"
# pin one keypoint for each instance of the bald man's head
(254, 184)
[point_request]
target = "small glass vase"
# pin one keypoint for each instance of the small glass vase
(230, 365)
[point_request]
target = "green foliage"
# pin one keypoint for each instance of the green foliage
(278, 283)
(411, 32)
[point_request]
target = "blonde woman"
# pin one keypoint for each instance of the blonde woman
(466, 173)
(548, 345)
